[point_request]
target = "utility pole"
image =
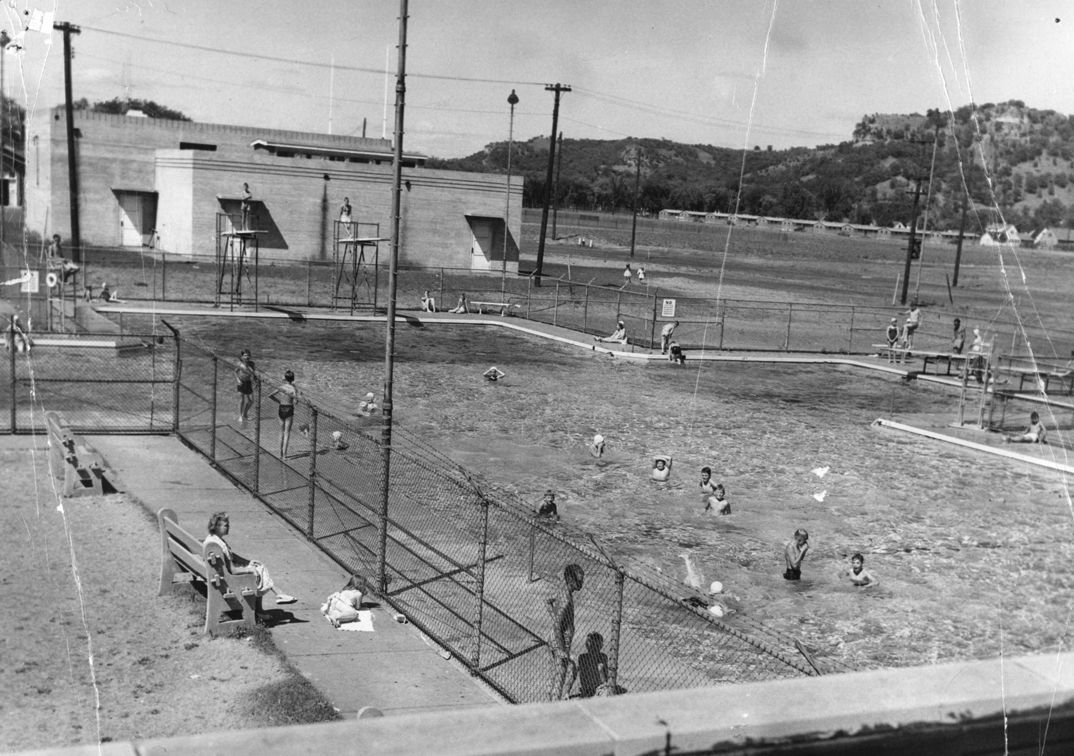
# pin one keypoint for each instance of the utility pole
(912, 244)
(558, 89)
(72, 159)
(961, 233)
(555, 185)
(4, 40)
(634, 210)
(393, 282)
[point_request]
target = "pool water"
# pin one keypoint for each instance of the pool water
(971, 552)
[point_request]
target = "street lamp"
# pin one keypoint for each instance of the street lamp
(512, 100)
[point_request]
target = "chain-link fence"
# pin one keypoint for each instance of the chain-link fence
(705, 323)
(468, 563)
(100, 383)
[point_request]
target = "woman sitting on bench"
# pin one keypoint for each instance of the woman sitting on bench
(220, 526)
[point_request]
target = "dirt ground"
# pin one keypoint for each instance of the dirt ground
(90, 652)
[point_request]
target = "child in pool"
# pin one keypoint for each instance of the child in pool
(858, 574)
(794, 552)
(661, 468)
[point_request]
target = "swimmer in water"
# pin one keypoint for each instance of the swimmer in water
(857, 573)
(596, 446)
(661, 468)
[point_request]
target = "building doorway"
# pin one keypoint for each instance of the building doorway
(137, 218)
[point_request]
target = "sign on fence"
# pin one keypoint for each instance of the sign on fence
(668, 310)
(30, 284)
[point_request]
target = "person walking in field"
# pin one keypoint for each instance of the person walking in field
(627, 274)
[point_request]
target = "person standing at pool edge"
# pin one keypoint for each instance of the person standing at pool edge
(288, 394)
(561, 611)
(794, 552)
(665, 336)
(244, 380)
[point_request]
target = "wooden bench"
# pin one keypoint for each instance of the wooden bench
(231, 599)
(503, 307)
(1046, 375)
(82, 467)
(904, 354)
(935, 357)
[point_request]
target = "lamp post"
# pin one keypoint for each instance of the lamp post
(512, 100)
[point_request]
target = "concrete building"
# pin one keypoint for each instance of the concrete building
(177, 185)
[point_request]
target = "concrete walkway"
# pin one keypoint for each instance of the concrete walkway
(395, 668)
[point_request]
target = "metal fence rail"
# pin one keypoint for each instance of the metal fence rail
(467, 563)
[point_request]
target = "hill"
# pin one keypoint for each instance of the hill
(1008, 155)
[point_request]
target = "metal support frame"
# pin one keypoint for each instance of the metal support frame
(350, 242)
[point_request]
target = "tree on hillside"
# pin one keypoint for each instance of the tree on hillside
(152, 109)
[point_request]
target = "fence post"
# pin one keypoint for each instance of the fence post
(212, 424)
(441, 298)
(313, 469)
(652, 331)
(529, 295)
(617, 627)
(479, 587)
(309, 270)
(721, 317)
(618, 306)
(790, 312)
(177, 376)
(257, 436)
(585, 311)
(11, 365)
(163, 276)
(850, 334)
(555, 309)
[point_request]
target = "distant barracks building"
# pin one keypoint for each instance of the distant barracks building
(176, 185)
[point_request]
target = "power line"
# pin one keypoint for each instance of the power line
(310, 63)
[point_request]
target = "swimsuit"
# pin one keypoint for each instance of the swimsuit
(286, 411)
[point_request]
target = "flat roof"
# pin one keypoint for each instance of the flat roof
(343, 152)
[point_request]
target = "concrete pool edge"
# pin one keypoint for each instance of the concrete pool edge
(988, 449)
(1020, 704)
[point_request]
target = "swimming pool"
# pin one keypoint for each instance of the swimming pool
(970, 552)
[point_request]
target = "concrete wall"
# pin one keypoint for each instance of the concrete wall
(294, 201)
(1017, 705)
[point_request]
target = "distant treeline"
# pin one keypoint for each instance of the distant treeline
(1004, 156)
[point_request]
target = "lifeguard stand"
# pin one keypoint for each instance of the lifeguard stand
(237, 257)
(356, 247)
(979, 366)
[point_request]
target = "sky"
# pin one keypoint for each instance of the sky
(731, 73)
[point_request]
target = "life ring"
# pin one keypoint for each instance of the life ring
(52, 279)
